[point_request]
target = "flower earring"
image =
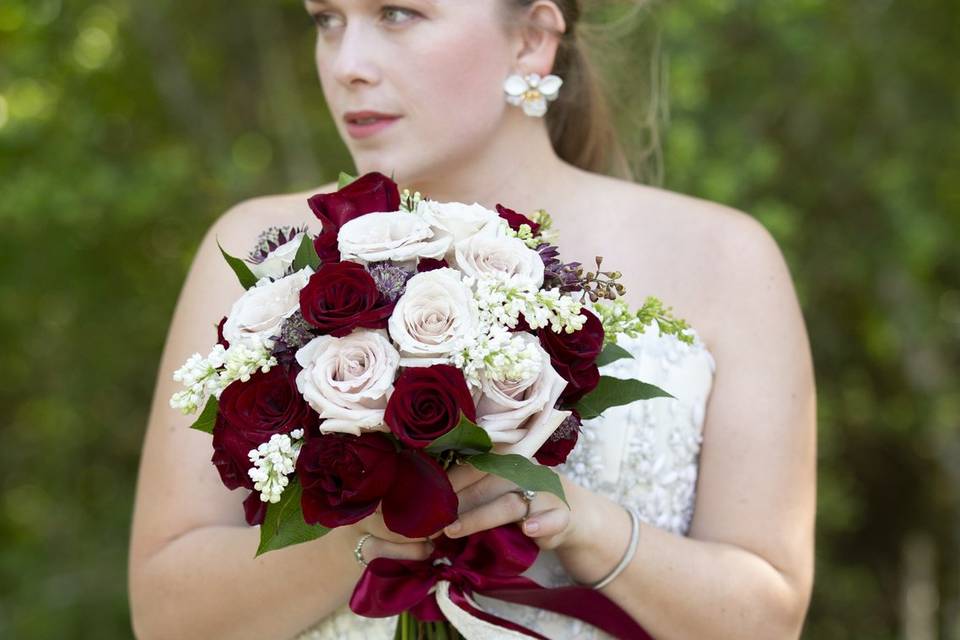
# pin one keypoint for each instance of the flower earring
(531, 92)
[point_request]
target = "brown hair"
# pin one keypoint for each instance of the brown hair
(581, 123)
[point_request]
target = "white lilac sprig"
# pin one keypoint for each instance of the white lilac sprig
(501, 301)
(273, 462)
(616, 317)
(497, 354)
(205, 377)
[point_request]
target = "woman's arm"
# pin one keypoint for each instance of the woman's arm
(192, 571)
(746, 568)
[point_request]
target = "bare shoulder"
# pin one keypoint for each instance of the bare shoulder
(696, 255)
(244, 220)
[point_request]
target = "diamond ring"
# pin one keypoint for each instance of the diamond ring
(527, 496)
(358, 550)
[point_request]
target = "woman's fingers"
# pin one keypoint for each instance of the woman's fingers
(545, 524)
(375, 547)
(463, 475)
(509, 507)
(482, 492)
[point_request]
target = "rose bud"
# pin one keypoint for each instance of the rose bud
(427, 402)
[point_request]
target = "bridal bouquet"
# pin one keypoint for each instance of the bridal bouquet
(407, 336)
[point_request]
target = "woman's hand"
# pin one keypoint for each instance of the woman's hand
(488, 501)
(384, 543)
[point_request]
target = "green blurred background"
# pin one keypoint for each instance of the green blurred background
(127, 126)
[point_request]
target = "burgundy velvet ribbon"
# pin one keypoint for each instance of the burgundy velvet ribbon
(488, 563)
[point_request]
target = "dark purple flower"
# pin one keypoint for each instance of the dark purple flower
(391, 279)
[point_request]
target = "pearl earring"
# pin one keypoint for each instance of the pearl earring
(531, 92)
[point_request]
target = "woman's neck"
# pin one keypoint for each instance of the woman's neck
(517, 168)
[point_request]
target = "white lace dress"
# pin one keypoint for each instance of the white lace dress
(645, 454)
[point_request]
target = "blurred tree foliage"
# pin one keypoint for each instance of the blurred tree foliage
(127, 126)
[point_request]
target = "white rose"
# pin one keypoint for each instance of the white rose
(257, 315)
(455, 219)
(489, 253)
(520, 412)
(279, 260)
(433, 316)
(390, 235)
(348, 380)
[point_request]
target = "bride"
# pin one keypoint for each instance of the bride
(722, 476)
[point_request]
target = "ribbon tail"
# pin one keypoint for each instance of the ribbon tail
(475, 624)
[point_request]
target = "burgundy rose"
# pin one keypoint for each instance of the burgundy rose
(515, 220)
(574, 356)
(427, 402)
(369, 193)
(345, 477)
(341, 297)
(325, 244)
(560, 443)
(220, 339)
(429, 264)
(249, 413)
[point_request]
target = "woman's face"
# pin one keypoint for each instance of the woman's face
(438, 65)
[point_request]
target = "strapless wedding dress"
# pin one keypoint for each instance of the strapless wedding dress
(645, 454)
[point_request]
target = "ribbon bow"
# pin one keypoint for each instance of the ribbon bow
(487, 563)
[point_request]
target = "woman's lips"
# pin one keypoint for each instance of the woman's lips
(367, 129)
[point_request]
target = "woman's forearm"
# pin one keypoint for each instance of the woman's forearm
(207, 584)
(678, 587)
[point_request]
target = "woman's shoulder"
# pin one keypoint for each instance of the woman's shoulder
(253, 215)
(702, 256)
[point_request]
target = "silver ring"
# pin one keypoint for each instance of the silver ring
(358, 550)
(527, 496)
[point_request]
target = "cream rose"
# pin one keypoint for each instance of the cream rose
(257, 315)
(391, 235)
(348, 380)
(490, 253)
(456, 219)
(279, 260)
(432, 317)
(520, 412)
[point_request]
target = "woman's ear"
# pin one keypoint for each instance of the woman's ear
(539, 37)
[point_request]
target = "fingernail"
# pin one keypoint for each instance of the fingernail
(454, 527)
(531, 526)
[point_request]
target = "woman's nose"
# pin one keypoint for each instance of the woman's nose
(355, 61)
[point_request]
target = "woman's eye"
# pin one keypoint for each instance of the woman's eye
(395, 15)
(322, 19)
(325, 20)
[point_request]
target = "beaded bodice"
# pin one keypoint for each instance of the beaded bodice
(645, 454)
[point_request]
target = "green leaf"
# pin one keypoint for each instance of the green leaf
(306, 255)
(207, 417)
(613, 392)
(520, 470)
(465, 438)
(612, 353)
(344, 179)
(244, 275)
(283, 525)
